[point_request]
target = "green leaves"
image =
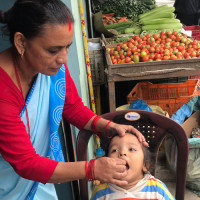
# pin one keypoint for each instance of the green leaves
(128, 8)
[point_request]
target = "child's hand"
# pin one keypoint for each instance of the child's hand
(121, 130)
(110, 170)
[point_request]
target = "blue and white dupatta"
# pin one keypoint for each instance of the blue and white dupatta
(45, 105)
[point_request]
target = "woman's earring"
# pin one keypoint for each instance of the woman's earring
(22, 54)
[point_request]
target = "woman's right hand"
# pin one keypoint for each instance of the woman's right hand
(110, 170)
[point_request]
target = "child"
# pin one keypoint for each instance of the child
(141, 184)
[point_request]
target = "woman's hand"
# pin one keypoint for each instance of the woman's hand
(110, 170)
(121, 130)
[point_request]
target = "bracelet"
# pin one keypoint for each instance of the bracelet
(89, 167)
(94, 123)
(107, 127)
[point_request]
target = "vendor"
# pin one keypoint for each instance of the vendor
(188, 11)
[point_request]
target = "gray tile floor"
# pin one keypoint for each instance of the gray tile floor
(165, 175)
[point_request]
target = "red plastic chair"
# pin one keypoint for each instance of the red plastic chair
(154, 127)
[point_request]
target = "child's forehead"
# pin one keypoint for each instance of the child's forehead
(127, 138)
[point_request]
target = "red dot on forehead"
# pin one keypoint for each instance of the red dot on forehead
(69, 22)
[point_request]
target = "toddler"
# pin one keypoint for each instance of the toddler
(141, 184)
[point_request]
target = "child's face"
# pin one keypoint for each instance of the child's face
(130, 149)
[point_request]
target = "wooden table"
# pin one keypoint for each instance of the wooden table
(147, 70)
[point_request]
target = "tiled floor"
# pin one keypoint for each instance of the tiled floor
(165, 175)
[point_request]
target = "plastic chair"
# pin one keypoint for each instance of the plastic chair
(154, 127)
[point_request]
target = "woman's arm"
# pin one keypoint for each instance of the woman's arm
(106, 169)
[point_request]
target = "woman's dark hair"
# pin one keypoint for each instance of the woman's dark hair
(30, 16)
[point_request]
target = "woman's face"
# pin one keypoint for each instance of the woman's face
(47, 52)
(129, 149)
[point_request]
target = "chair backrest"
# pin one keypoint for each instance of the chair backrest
(155, 128)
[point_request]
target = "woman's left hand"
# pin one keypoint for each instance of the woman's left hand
(121, 130)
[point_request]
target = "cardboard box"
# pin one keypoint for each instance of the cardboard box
(192, 122)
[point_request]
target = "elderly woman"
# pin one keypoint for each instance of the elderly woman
(36, 90)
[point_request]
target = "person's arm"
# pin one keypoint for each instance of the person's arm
(106, 169)
(82, 117)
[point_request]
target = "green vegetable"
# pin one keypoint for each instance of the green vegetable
(128, 8)
(159, 21)
(162, 26)
(131, 29)
(158, 15)
(156, 11)
(117, 25)
(138, 31)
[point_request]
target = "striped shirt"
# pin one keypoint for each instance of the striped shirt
(149, 188)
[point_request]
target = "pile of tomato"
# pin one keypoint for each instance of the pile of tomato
(164, 46)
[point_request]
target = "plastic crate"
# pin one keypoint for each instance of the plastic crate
(169, 96)
(195, 31)
(97, 63)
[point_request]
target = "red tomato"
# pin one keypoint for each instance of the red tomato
(175, 32)
(151, 49)
(152, 56)
(166, 57)
(118, 48)
(133, 49)
(127, 59)
(145, 58)
(129, 53)
(114, 61)
(173, 57)
(157, 56)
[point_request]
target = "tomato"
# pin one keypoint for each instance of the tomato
(130, 45)
(151, 49)
(143, 53)
(127, 59)
(115, 53)
(145, 58)
(139, 46)
(124, 46)
(180, 48)
(193, 54)
(175, 32)
(114, 61)
(152, 56)
(121, 52)
(111, 52)
(148, 36)
(195, 42)
(129, 53)
(156, 36)
(173, 57)
(198, 52)
(166, 57)
(136, 58)
(157, 56)
(186, 55)
(131, 40)
(163, 37)
(117, 56)
(136, 37)
(133, 49)
(118, 48)
(172, 37)
(122, 57)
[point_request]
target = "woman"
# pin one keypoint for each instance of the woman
(36, 90)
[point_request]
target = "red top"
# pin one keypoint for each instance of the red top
(15, 145)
